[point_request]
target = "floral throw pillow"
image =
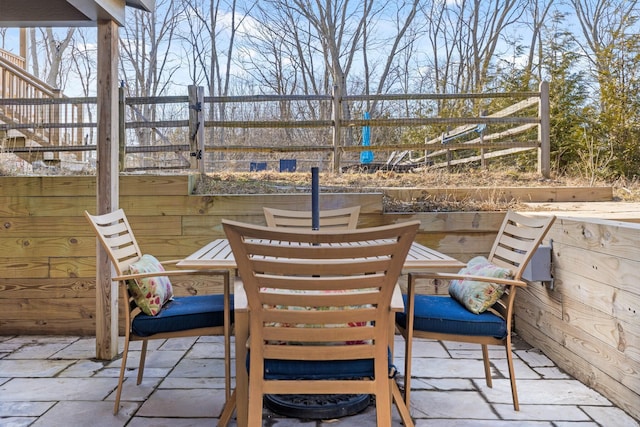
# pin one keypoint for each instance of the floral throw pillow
(149, 293)
(478, 296)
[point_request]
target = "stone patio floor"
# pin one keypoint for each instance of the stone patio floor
(55, 381)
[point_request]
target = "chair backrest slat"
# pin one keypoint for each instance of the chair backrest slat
(293, 352)
(517, 240)
(115, 234)
(337, 283)
(319, 334)
(331, 219)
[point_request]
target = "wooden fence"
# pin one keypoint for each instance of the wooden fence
(179, 132)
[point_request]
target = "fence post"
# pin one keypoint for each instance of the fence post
(23, 46)
(337, 131)
(544, 132)
(196, 127)
(483, 160)
(54, 117)
(78, 113)
(122, 146)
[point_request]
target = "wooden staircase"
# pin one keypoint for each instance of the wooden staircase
(30, 122)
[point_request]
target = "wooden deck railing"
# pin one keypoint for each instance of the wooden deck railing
(13, 58)
(33, 110)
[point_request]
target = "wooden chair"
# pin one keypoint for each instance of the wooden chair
(444, 318)
(332, 219)
(186, 316)
(337, 284)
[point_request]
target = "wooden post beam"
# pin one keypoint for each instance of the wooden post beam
(337, 127)
(544, 132)
(196, 127)
(107, 172)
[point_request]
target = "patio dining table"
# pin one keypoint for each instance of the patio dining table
(218, 255)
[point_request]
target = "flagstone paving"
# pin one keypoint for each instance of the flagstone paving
(56, 381)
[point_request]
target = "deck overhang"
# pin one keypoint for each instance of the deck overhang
(66, 13)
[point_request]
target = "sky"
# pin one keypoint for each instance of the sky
(180, 80)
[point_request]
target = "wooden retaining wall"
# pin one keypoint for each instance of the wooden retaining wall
(587, 324)
(47, 248)
(522, 194)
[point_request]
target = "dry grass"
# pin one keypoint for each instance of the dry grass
(274, 182)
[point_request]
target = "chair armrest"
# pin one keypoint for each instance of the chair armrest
(171, 261)
(447, 276)
(176, 261)
(168, 273)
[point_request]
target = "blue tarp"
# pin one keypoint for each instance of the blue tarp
(287, 165)
(366, 156)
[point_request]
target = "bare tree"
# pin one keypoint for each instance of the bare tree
(612, 47)
(464, 43)
(53, 45)
(490, 20)
(149, 61)
(211, 44)
(605, 25)
(315, 46)
(211, 39)
(538, 14)
(3, 36)
(330, 30)
(402, 39)
(33, 52)
(55, 50)
(147, 43)
(84, 60)
(196, 39)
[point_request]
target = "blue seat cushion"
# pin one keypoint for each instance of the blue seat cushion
(182, 313)
(447, 316)
(276, 369)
